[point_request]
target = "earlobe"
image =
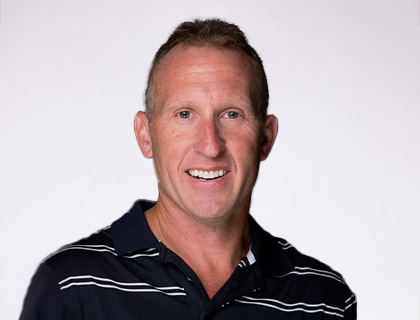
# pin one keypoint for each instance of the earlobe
(269, 135)
(141, 128)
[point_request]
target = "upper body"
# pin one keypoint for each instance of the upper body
(124, 272)
(207, 130)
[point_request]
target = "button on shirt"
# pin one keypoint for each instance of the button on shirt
(124, 272)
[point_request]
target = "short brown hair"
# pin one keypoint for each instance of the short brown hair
(216, 33)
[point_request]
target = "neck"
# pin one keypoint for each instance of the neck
(212, 249)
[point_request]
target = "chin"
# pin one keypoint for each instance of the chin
(212, 212)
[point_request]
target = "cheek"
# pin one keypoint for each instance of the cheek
(248, 142)
(246, 152)
(171, 144)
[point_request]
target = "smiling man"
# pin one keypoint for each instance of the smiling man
(196, 253)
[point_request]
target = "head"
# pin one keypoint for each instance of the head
(210, 33)
(206, 127)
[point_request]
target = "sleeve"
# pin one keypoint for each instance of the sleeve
(43, 301)
(350, 309)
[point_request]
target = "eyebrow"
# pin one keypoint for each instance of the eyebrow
(234, 103)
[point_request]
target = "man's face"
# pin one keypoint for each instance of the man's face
(205, 134)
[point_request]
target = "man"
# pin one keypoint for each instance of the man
(196, 253)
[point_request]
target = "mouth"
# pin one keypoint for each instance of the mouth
(207, 175)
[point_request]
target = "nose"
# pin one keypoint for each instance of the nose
(209, 142)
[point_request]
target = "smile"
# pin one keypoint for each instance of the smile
(207, 175)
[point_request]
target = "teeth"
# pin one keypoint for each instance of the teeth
(207, 175)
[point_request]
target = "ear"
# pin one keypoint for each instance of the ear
(141, 128)
(269, 135)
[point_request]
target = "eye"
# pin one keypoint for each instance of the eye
(232, 114)
(184, 114)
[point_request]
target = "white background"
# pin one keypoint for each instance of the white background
(342, 183)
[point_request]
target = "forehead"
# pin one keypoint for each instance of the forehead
(205, 53)
(185, 67)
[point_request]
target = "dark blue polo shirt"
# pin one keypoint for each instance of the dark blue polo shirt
(124, 272)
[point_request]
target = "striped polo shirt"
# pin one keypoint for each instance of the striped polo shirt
(124, 272)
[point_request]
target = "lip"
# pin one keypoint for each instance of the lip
(218, 168)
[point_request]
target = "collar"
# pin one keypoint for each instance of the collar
(269, 254)
(131, 232)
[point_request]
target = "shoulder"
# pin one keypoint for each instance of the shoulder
(295, 281)
(44, 298)
(316, 279)
(82, 255)
(306, 265)
(279, 258)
